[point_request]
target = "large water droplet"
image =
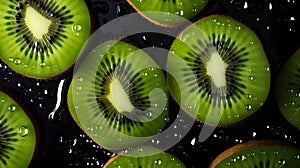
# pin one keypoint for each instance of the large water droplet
(23, 131)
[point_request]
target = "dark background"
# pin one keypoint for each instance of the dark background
(63, 144)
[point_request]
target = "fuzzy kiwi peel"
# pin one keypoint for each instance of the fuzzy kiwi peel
(118, 96)
(287, 89)
(133, 159)
(218, 71)
(262, 153)
(18, 136)
(168, 13)
(42, 39)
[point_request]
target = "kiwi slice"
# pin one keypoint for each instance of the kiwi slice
(259, 154)
(287, 91)
(42, 39)
(218, 71)
(17, 134)
(161, 159)
(168, 12)
(118, 96)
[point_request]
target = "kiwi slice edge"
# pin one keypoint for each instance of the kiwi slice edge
(287, 90)
(165, 17)
(261, 149)
(19, 132)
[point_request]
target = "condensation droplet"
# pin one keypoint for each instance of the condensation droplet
(23, 131)
(193, 141)
(281, 162)
(158, 162)
(149, 114)
(76, 28)
(251, 78)
(12, 108)
(297, 156)
(238, 27)
(42, 64)
(17, 61)
(298, 95)
(249, 96)
(248, 107)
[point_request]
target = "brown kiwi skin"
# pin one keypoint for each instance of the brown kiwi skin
(156, 22)
(203, 122)
(239, 147)
(34, 122)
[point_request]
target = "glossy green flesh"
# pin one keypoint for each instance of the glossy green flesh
(288, 90)
(17, 134)
(221, 72)
(147, 92)
(183, 8)
(162, 159)
(42, 39)
(263, 157)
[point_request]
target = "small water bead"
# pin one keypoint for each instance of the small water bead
(251, 78)
(17, 61)
(42, 64)
(238, 28)
(23, 131)
(248, 107)
(76, 28)
(281, 162)
(11, 108)
(180, 13)
(158, 162)
(149, 114)
(249, 96)
(245, 5)
(297, 156)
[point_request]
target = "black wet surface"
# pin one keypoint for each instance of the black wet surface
(63, 144)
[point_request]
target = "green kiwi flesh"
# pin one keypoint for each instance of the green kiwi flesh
(164, 12)
(218, 71)
(42, 39)
(161, 159)
(259, 154)
(118, 96)
(287, 89)
(17, 134)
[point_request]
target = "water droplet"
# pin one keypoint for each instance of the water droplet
(249, 96)
(251, 42)
(157, 162)
(290, 90)
(292, 18)
(297, 95)
(17, 61)
(238, 27)
(12, 108)
(23, 131)
(253, 134)
(245, 5)
(149, 114)
(281, 162)
(167, 119)
(297, 156)
(76, 28)
(145, 74)
(180, 12)
(248, 107)
(11, 59)
(42, 64)
(267, 69)
(76, 34)
(251, 78)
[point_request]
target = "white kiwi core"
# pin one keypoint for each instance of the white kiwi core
(216, 69)
(37, 24)
(118, 97)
